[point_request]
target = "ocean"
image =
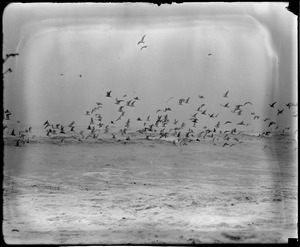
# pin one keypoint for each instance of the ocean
(104, 189)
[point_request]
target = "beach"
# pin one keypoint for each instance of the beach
(150, 192)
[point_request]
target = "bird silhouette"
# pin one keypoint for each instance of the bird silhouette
(142, 40)
(7, 114)
(271, 123)
(272, 105)
(226, 105)
(108, 94)
(18, 143)
(143, 47)
(204, 112)
(9, 70)
(279, 111)
(226, 94)
(118, 101)
(181, 101)
(10, 55)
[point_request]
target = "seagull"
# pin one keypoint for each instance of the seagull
(169, 99)
(272, 105)
(227, 122)
(10, 55)
(108, 94)
(13, 133)
(239, 112)
(187, 100)
(180, 101)
(199, 108)
(248, 102)
(226, 94)
(118, 101)
(279, 111)
(201, 97)
(271, 123)
(18, 143)
(121, 109)
(204, 112)
(289, 105)
(136, 98)
(143, 47)
(241, 123)
(266, 119)
(142, 40)
(226, 105)
(71, 124)
(46, 123)
(7, 113)
(256, 117)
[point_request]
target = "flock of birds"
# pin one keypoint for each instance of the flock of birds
(160, 127)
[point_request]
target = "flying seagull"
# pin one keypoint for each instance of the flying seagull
(143, 47)
(8, 70)
(108, 94)
(272, 105)
(142, 40)
(279, 111)
(10, 55)
(226, 94)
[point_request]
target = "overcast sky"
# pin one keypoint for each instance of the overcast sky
(253, 55)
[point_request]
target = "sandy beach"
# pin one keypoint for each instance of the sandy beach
(149, 193)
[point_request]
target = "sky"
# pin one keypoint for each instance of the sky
(70, 55)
